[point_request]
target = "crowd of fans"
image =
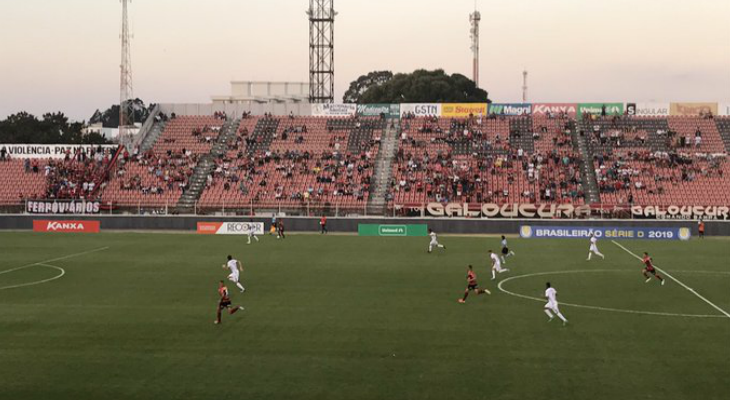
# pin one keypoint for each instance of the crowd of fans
(77, 175)
(155, 174)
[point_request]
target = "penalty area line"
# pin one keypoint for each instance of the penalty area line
(703, 298)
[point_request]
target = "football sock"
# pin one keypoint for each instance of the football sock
(561, 317)
(494, 274)
(240, 286)
(589, 255)
(549, 314)
(466, 294)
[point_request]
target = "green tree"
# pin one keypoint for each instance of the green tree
(52, 128)
(422, 86)
(365, 82)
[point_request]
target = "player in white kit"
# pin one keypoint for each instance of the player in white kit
(251, 232)
(496, 265)
(552, 305)
(594, 248)
(434, 241)
(236, 268)
(506, 252)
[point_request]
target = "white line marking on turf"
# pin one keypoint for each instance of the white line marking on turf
(45, 264)
(54, 259)
(619, 310)
(63, 272)
(677, 281)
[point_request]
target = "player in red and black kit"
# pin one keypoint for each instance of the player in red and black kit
(224, 302)
(649, 269)
(471, 284)
(280, 231)
(323, 224)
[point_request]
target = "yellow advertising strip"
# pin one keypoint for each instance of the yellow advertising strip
(463, 109)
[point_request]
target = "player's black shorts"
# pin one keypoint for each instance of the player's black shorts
(472, 287)
(505, 250)
(651, 271)
(224, 303)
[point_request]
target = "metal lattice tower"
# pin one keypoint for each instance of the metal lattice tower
(126, 92)
(474, 19)
(524, 86)
(321, 51)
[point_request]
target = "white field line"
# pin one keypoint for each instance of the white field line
(618, 310)
(54, 259)
(715, 306)
(63, 272)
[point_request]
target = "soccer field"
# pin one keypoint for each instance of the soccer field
(130, 315)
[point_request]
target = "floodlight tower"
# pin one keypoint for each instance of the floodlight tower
(321, 51)
(126, 92)
(474, 19)
(524, 86)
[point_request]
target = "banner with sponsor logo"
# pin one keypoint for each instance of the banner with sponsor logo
(333, 110)
(463, 109)
(723, 109)
(421, 109)
(510, 109)
(682, 212)
(512, 210)
(230, 228)
(600, 108)
(374, 110)
(692, 108)
(571, 109)
(66, 226)
(62, 207)
(647, 109)
(612, 233)
(392, 230)
(57, 151)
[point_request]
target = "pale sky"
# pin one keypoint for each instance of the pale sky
(63, 55)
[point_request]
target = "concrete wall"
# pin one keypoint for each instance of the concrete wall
(468, 226)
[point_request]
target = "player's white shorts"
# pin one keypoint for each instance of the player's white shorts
(593, 248)
(497, 267)
(233, 277)
(434, 243)
(552, 306)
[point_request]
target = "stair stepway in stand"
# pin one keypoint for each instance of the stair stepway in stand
(383, 169)
(151, 138)
(587, 168)
(206, 165)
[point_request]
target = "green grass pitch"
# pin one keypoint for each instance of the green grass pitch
(345, 317)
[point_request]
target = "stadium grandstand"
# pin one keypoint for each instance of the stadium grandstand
(356, 164)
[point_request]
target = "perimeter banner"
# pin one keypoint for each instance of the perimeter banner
(647, 109)
(230, 228)
(690, 109)
(514, 210)
(392, 230)
(571, 109)
(463, 109)
(66, 226)
(333, 110)
(578, 232)
(600, 108)
(421, 109)
(723, 109)
(375, 110)
(510, 109)
(56, 151)
(682, 212)
(62, 207)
